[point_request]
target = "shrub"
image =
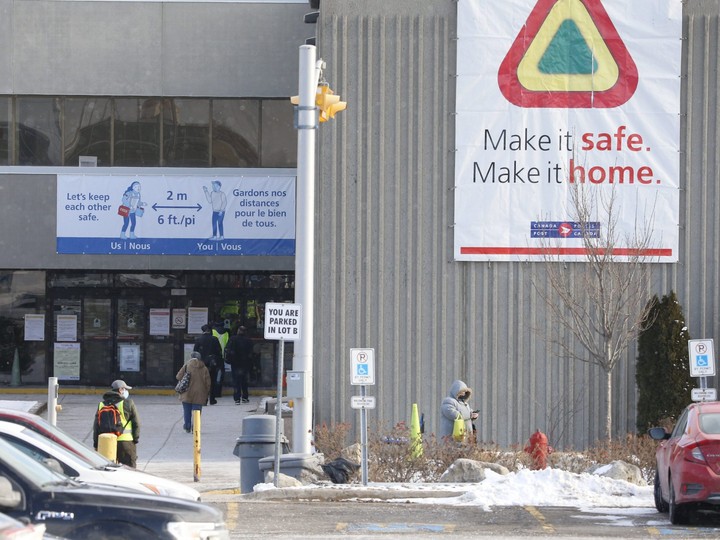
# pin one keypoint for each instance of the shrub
(391, 459)
(330, 440)
(662, 372)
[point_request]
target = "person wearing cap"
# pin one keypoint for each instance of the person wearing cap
(238, 353)
(127, 441)
(456, 405)
(198, 391)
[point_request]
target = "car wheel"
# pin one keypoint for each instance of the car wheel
(660, 503)
(678, 514)
(112, 531)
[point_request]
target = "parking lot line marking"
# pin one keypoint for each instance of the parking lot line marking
(534, 512)
(233, 512)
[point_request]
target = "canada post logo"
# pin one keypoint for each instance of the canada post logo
(568, 55)
(564, 229)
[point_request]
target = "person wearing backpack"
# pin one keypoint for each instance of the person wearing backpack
(118, 414)
(197, 392)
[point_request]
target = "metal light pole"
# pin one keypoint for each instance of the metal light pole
(307, 120)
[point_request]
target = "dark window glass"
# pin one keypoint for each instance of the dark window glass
(148, 280)
(186, 133)
(87, 130)
(279, 137)
(5, 116)
(137, 132)
(39, 131)
(235, 133)
(79, 279)
(147, 132)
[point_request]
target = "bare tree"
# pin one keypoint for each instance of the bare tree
(603, 299)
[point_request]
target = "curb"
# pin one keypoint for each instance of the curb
(335, 495)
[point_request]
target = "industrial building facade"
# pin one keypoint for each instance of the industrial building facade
(198, 91)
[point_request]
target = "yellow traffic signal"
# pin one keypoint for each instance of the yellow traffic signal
(328, 102)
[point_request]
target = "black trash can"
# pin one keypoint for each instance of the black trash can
(257, 441)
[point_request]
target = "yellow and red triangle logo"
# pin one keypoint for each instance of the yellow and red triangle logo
(568, 55)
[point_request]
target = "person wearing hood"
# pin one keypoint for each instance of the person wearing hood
(127, 440)
(454, 405)
(197, 393)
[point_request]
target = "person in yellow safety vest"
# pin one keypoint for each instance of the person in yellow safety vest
(127, 440)
(222, 335)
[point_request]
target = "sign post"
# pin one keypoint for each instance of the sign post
(702, 365)
(282, 321)
(362, 362)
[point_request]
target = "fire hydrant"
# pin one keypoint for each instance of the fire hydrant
(538, 449)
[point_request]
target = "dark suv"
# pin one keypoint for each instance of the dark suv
(79, 511)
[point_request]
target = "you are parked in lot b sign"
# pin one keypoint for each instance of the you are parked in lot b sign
(283, 321)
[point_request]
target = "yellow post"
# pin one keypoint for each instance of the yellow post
(196, 446)
(107, 445)
(416, 449)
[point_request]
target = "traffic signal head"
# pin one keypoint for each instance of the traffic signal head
(328, 103)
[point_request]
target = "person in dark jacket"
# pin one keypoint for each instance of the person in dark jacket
(127, 441)
(197, 393)
(209, 348)
(223, 336)
(238, 353)
(454, 405)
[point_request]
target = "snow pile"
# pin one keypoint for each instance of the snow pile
(551, 487)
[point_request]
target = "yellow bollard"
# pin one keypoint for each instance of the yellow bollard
(107, 446)
(196, 446)
(416, 449)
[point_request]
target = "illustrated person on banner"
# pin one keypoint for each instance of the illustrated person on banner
(218, 201)
(129, 419)
(238, 353)
(209, 348)
(197, 393)
(455, 406)
(133, 208)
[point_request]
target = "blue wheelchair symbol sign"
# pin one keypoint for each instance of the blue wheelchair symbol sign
(702, 360)
(362, 370)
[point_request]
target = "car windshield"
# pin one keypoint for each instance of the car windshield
(710, 423)
(26, 467)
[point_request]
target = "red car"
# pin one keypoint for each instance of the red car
(687, 477)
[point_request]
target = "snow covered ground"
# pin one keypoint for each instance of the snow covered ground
(549, 487)
(552, 487)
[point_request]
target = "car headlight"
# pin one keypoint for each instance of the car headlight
(189, 530)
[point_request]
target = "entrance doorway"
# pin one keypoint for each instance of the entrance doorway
(142, 327)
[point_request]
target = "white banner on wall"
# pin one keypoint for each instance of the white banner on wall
(175, 215)
(557, 93)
